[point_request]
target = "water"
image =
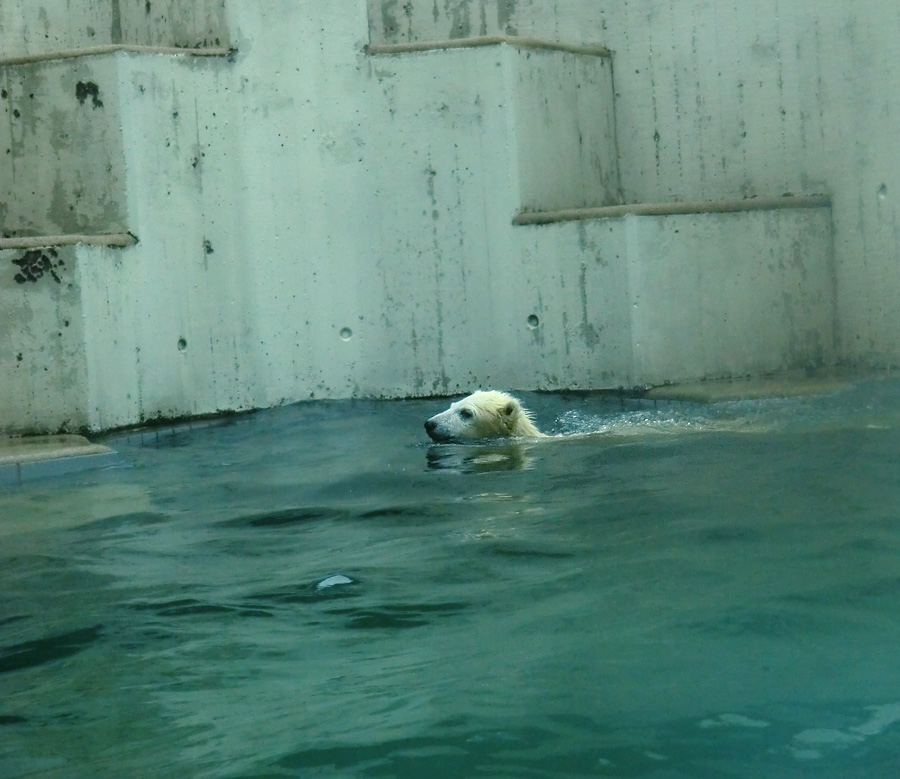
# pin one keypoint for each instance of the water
(318, 591)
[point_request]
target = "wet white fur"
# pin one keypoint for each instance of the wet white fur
(483, 414)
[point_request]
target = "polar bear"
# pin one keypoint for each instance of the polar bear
(483, 414)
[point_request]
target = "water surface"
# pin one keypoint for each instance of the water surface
(318, 591)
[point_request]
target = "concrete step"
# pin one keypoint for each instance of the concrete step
(27, 242)
(517, 41)
(38, 28)
(43, 328)
(55, 55)
(641, 296)
(673, 208)
(67, 139)
(785, 385)
(101, 331)
(34, 458)
(106, 333)
(541, 112)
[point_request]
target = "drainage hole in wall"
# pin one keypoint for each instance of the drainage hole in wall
(533, 321)
(182, 344)
(346, 333)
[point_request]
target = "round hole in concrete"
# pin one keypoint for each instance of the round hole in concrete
(346, 333)
(882, 192)
(182, 344)
(533, 321)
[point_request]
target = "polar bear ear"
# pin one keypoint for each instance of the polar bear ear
(509, 408)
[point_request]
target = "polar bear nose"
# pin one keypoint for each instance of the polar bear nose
(434, 431)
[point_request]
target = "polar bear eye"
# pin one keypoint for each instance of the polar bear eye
(466, 413)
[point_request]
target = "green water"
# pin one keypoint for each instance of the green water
(318, 591)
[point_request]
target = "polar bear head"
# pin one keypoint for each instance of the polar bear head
(483, 414)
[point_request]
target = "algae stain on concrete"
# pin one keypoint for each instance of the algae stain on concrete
(588, 332)
(35, 263)
(505, 11)
(88, 89)
(461, 20)
(115, 31)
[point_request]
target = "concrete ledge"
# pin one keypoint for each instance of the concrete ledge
(486, 40)
(669, 209)
(111, 48)
(782, 386)
(45, 241)
(38, 457)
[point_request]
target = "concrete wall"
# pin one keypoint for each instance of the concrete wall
(728, 99)
(316, 221)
